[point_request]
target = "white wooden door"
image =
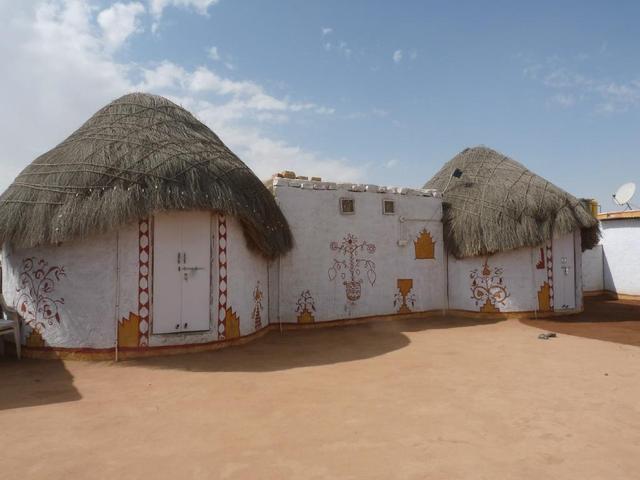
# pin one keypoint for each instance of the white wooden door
(196, 270)
(181, 272)
(167, 285)
(564, 273)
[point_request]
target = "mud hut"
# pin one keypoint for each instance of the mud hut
(513, 238)
(140, 231)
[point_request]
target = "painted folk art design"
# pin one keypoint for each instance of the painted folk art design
(424, 246)
(351, 265)
(549, 249)
(36, 300)
(143, 319)
(404, 296)
(488, 288)
(35, 339)
(306, 307)
(256, 315)
(228, 321)
(129, 331)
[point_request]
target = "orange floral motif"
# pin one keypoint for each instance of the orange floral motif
(306, 307)
(404, 296)
(424, 246)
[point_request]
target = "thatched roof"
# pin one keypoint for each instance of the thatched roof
(498, 205)
(138, 155)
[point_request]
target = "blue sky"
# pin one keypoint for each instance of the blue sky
(371, 91)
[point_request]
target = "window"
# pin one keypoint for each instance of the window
(388, 207)
(347, 206)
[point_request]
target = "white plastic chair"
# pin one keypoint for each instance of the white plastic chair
(10, 323)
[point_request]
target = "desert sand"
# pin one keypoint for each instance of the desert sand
(435, 398)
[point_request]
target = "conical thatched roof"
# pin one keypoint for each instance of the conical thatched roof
(498, 205)
(138, 155)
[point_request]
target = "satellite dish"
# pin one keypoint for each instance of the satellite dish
(624, 194)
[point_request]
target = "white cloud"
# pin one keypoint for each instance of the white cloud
(344, 49)
(213, 53)
(397, 56)
(326, 31)
(565, 100)
(391, 163)
(201, 6)
(59, 68)
(118, 22)
(413, 54)
(157, 8)
(572, 87)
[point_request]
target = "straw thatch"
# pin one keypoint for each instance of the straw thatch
(138, 155)
(498, 205)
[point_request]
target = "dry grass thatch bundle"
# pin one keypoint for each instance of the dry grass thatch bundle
(498, 205)
(138, 155)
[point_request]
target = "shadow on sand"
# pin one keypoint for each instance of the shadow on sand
(602, 319)
(29, 383)
(305, 348)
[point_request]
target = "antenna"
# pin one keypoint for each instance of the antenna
(624, 194)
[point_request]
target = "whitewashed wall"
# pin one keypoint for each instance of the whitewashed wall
(312, 210)
(621, 248)
(519, 274)
(593, 269)
(70, 291)
(80, 288)
(511, 270)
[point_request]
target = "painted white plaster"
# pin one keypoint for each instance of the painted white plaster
(621, 255)
(520, 276)
(517, 274)
(87, 316)
(315, 219)
(593, 269)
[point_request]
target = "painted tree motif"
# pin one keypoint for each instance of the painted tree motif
(35, 301)
(487, 286)
(351, 266)
(306, 307)
(257, 307)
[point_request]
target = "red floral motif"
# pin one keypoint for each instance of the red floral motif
(487, 285)
(36, 285)
(351, 266)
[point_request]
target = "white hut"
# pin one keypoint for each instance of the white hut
(612, 267)
(139, 233)
(142, 233)
(513, 239)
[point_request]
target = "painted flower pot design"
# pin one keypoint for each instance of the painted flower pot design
(352, 265)
(354, 290)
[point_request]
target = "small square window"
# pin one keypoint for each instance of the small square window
(347, 206)
(388, 207)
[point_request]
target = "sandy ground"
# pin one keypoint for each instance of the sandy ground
(603, 319)
(436, 399)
